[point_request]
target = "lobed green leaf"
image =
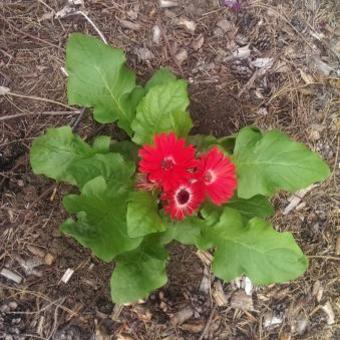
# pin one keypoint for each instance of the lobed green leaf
(270, 162)
(255, 250)
(100, 222)
(98, 78)
(142, 215)
(163, 109)
(63, 156)
(139, 272)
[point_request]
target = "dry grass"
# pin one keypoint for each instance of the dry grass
(294, 95)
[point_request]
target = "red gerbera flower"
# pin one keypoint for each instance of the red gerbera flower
(218, 175)
(183, 200)
(168, 161)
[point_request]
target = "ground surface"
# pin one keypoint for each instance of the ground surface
(221, 52)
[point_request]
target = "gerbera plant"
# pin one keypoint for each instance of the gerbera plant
(161, 184)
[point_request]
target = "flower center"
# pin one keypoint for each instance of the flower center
(168, 163)
(209, 177)
(183, 196)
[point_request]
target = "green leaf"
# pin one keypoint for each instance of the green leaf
(138, 273)
(102, 144)
(160, 77)
(142, 215)
(255, 250)
(246, 138)
(204, 143)
(98, 78)
(188, 231)
(257, 206)
(211, 213)
(163, 109)
(101, 220)
(127, 149)
(111, 166)
(63, 156)
(53, 153)
(271, 162)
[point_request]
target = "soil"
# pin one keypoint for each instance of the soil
(224, 59)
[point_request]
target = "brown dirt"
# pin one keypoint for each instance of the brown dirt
(294, 95)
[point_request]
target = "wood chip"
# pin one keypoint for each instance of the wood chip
(271, 320)
(242, 52)
(8, 274)
(144, 54)
(240, 300)
(243, 282)
(198, 42)
(317, 290)
(182, 316)
(337, 246)
(206, 281)
(193, 327)
(307, 78)
(36, 251)
(225, 25)
(167, 3)
(181, 56)
(49, 259)
(129, 25)
(4, 90)
(188, 25)
(30, 264)
(219, 295)
(67, 275)
(156, 34)
(205, 257)
(327, 308)
(296, 199)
